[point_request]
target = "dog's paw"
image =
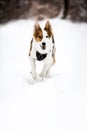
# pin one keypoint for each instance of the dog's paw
(34, 75)
(41, 74)
(44, 74)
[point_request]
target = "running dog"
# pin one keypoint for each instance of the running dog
(42, 48)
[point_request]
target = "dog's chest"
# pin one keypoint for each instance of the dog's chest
(40, 56)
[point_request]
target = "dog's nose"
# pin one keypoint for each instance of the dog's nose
(43, 43)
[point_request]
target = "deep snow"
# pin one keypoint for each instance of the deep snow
(59, 102)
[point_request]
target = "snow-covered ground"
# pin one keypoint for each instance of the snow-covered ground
(59, 102)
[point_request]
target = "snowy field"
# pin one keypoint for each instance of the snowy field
(59, 102)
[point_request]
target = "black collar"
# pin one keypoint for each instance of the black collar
(40, 56)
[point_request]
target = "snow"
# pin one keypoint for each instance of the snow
(59, 102)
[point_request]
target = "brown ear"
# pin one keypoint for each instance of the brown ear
(36, 26)
(48, 28)
(38, 35)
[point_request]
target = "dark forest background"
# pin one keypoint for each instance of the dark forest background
(75, 10)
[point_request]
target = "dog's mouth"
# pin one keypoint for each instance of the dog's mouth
(43, 47)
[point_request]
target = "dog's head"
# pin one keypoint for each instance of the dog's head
(43, 37)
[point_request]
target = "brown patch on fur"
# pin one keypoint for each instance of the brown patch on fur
(30, 47)
(38, 34)
(48, 29)
(53, 54)
(54, 60)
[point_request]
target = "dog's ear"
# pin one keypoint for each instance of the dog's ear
(38, 35)
(48, 28)
(36, 26)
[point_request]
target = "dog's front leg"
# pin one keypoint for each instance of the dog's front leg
(33, 68)
(45, 69)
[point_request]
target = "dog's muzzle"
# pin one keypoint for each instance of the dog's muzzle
(43, 46)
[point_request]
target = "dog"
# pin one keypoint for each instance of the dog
(42, 48)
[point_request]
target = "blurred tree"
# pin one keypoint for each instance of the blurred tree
(65, 8)
(78, 10)
(14, 9)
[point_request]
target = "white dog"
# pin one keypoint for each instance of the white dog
(42, 48)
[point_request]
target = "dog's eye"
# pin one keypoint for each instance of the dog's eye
(47, 36)
(39, 37)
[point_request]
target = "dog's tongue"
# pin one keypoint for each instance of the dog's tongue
(43, 47)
